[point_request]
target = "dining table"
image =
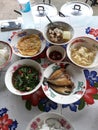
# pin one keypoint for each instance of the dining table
(81, 114)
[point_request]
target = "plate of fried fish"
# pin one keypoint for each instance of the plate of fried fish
(64, 83)
(28, 43)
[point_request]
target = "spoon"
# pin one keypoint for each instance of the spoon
(49, 20)
(52, 24)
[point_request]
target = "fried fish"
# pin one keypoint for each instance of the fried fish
(60, 81)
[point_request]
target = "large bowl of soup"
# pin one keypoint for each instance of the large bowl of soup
(24, 77)
(58, 33)
(83, 52)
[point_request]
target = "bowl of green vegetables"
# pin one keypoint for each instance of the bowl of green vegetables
(24, 77)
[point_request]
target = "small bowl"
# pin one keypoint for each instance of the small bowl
(83, 52)
(11, 79)
(56, 53)
(52, 119)
(66, 33)
(5, 54)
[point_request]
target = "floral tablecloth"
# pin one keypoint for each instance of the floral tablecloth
(16, 112)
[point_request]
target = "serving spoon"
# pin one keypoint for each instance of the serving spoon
(52, 24)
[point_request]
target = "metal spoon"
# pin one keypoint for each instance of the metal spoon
(49, 20)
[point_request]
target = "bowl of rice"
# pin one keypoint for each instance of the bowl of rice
(5, 54)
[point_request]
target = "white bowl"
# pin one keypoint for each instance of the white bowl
(14, 67)
(81, 43)
(5, 54)
(58, 53)
(21, 34)
(65, 27)
(49, 119)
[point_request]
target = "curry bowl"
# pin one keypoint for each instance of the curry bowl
(50, 121)
(83, 52)
(28, 43)
(5, 54)
(24, 77)
(58, 33)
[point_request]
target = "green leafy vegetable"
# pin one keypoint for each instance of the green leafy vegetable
(25, 78)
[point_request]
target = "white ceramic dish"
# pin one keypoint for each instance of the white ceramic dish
(53, 119)
(64, 27)
(86, 42)
(14, 67)
(5, 54)
(78, 79)
(23, 33)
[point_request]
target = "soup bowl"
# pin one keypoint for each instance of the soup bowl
(83, 52)
(24, 77)
(58, 33)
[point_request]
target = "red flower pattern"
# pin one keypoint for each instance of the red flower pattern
(35, 97)
(90, 91)
(5, 122)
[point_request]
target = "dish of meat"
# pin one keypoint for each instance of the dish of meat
(64, 83)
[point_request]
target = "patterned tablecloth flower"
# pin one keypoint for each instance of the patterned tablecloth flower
(90, 94)
(92, 31)
(5, 122)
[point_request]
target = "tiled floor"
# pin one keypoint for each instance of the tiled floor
(7, 7)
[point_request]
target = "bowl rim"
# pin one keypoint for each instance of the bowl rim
(59, 47)
(13, 68)
(44, 114)
(58, 44)
(68, 48)
(10, 55)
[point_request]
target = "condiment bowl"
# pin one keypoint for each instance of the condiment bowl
(58, 33)
(51, 120)
(5, 54)
(24, 77)
(56, 53)
(83, 52)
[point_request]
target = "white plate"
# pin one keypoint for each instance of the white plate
(40, 119)
(26, 32)
(77, 77)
